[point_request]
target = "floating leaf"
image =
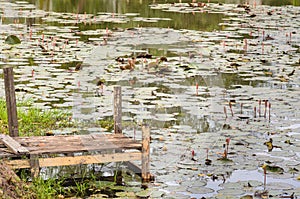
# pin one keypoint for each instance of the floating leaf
(12, 40)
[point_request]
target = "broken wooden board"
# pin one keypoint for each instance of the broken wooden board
(13, 145)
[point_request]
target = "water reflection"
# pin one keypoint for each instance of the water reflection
(197, 21)
(141, 6)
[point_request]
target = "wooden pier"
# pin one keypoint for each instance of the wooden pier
(36, 152)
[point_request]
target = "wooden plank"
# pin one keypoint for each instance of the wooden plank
(13, 145)
(146, 176)
(62, 149)
(117, 110)
(11, 101)
(77, 143)
(133, 167)
(18, 164)
(5, 152)
(84, 145)
(73, 138)
(87, 159)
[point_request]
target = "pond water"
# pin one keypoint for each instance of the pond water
(223, 76)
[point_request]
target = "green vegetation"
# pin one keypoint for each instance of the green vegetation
(12, 40)
(34, 121)
(45, 189)
(107, 123)
(77, 188)
(53, 188)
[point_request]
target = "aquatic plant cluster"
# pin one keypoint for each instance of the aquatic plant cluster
(223, 105)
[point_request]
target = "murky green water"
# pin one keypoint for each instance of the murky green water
(197, 21)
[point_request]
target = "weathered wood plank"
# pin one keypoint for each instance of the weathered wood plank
(146, 176)
(87, 159)
(34, 165)
(84, 141)
(66, 149)
(72, 138)
(5, 152)
(90, 159)
(117, 110)
(77, 143)
(11, 101)
(12, 144)
(18, 164)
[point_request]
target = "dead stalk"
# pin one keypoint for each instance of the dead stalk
(265, 176)
(241, 108)
(225, 111)
(266, 106)
(269, 111)
(230, 106)
(227, 145)
(259, 107)
(207, 153)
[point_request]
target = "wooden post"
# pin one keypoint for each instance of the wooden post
(146, 176)
(117, 109)
(11, 102)
(34, 166)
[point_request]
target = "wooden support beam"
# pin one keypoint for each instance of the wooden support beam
(13, 145)
(11, 101)
(133, 167)
(66, 161)
(146, 176)
(34, 166)
(117, 109)
(18, 164)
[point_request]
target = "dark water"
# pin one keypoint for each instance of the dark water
(198, 21)
(136, 6)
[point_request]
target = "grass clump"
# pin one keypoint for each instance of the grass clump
(45, 189)
(33, 121)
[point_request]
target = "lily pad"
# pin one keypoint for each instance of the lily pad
(12, 40)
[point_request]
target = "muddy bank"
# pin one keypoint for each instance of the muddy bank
(11, 186)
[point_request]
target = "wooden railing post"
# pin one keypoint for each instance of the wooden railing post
(117, 109)
(146, 176)
(34, 166)
(11, 102)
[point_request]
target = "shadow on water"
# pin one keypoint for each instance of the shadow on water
(133, 6)
(197, 21)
